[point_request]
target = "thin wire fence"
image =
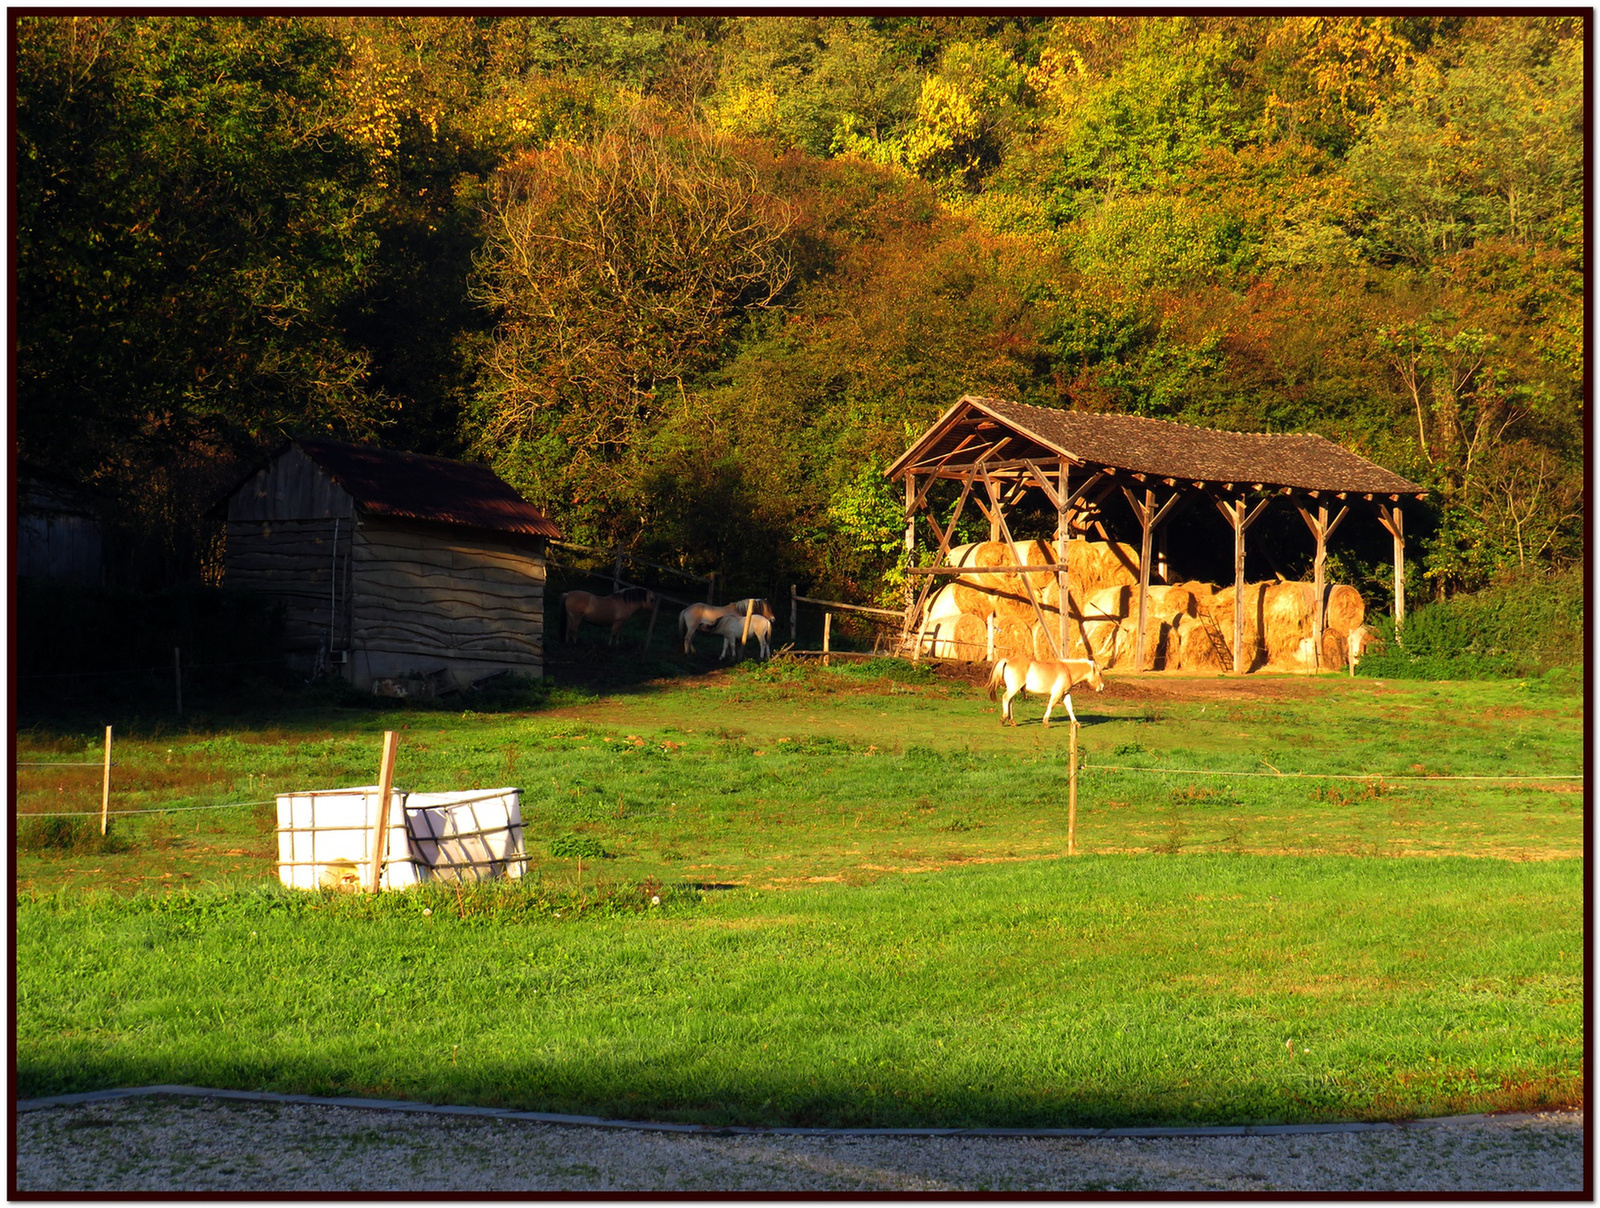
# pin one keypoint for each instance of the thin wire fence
(1086, 767)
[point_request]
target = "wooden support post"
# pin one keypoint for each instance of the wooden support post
(1150, 518)
(827, 634)
(1064, 512)
(105, 787)
(1145, 514)
(1072, 789)
(1319, 578)
(911, 539)
(380, 825)
(794, 615)
(177, 679)
(1238, 586)
(650, 630)
(988, 649)
(1399, 569)
(616, 573)
(744, 634)
(1393, 520)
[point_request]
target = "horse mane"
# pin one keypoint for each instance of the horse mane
(632, 595)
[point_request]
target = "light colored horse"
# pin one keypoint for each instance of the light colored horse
(731, 630)
(1051, 679)
(580, 606)
(698, 618)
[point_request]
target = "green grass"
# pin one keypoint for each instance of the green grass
(867, 914)
(1097, 991)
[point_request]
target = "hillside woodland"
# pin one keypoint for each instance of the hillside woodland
(689, 283)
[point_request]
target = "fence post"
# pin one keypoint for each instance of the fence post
(711, 587)
(827, 627)
(616, 573)
(380, 828)
(105, 787)
(1072, 790)
(655, 604)
(744, 635)
(177, 678)
(794, 616)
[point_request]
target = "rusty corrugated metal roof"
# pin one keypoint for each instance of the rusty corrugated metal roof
(1166, 449)
(412, 486)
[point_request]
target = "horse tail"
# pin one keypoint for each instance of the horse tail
(995, 676)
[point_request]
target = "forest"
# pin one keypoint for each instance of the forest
(690, 283)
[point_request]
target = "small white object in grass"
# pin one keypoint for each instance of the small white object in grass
(655, 900)
(427, 910)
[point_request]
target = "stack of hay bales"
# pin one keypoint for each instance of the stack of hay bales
(1187, 625)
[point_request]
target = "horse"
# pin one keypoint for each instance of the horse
(1055, 679)
(698, 618)
(732, 631)
(580, 606)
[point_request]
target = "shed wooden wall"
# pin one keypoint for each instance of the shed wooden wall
(293, 487)
(57, 545)
(427, 595)
(294, 562)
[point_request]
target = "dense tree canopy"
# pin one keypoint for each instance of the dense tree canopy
(690, 282)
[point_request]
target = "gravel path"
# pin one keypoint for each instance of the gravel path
(180, 1143)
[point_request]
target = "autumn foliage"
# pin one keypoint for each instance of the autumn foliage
(690, 282)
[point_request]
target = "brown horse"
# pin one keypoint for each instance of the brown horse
(580, 606)
(1055, 680)
(698, 618)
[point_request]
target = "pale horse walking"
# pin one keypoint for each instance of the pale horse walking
(1052, 680)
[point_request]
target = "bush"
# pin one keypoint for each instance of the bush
(1525, 624)
(79, 835)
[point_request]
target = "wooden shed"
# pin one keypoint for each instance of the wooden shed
(59, 529)
(392, 565)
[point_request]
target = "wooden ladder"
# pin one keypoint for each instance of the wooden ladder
(1219, 644)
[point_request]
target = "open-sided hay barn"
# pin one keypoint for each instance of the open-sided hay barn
(998, 451)
(393, 566)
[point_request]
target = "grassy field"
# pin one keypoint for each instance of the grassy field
(867, 914)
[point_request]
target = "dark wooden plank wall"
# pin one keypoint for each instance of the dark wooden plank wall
(292, 488)
(293, 561)
(436, 592)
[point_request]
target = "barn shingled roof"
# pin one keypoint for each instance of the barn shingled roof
(412, 486)
(1167, 449)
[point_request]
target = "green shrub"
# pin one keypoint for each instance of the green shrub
(584, 847)
(1525, 624)
(79, 835)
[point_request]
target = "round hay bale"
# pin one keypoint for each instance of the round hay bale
(1102, 637)
(1015, 608)
(1222, 612)
(970, 599)
(1108, 603)
(1170, 603)
(1197, 651)
(1286, 615)
(1096, 564)
(1346, 609)
(971, 638)
(1012, 639)
(1156, 639)
(943, 603)
(1038, 553)
(1335, 651)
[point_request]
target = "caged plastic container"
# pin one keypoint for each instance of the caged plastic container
(325, 837)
